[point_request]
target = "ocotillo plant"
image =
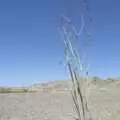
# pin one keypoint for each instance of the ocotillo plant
(76, 68)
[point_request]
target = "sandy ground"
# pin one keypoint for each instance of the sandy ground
(104, 103)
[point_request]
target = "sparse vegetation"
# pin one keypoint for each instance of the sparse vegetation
(13, 90)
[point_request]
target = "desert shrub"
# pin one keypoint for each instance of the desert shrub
(5, 90)
(13, 90)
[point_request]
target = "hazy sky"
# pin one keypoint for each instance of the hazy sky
(31, 45)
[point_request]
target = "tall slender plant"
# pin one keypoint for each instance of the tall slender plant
(76, 67)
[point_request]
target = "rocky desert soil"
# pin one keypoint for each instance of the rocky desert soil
(104, 103)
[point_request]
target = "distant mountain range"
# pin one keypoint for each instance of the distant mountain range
(61, 85)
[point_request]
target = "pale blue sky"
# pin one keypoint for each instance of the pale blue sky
(31, 45)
